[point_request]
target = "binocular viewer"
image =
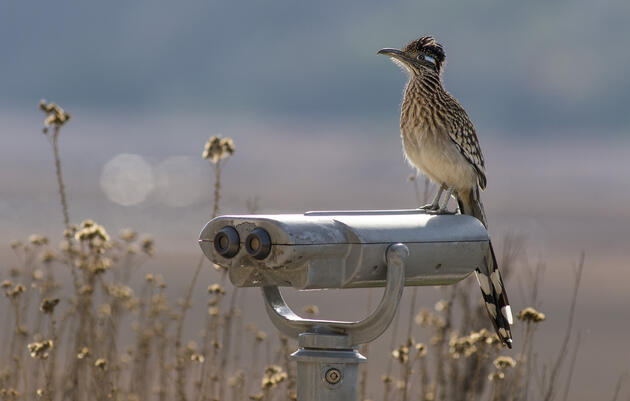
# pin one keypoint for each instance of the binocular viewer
(344, 249)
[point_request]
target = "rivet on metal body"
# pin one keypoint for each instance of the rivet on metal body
(333, 376)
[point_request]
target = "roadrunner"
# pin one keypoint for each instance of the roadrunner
(439, 139)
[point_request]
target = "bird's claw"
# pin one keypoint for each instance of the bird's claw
(436, 211)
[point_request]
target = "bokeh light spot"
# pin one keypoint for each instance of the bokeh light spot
(127, 179)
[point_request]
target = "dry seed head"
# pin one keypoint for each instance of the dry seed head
(6, 284)
(496, 376)
(55, 115)
(197, 358)
(530, 314)
(119, 291)
(37, 240)
(105, 311)
(421, 349)
(216, 289)
(442, 305)
(461, 346)
(261, 336)
(273, 376)
(48, 256)
(401, 354)
(86, 289)
(40, 350)
(15, 244)
(257, 397)
(218, 148)
(38, 275)
(503, 362)
(48, 305)
(127, 234)
(93, 233)
(237, 379)
(101, 363)
(387, 378)
(146, 244)
(16, 291)
(83, 353)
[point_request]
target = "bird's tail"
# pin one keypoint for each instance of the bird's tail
(488, 276)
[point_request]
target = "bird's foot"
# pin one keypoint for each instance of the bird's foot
(436, 211)
(429, 207)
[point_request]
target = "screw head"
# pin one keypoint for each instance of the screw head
(333, 376)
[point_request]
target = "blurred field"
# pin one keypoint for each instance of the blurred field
(562, 198)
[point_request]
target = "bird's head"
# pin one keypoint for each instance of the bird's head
(421, 56)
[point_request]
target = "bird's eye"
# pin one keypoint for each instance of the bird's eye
(424, 57)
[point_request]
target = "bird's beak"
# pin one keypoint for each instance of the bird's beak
(392, 53)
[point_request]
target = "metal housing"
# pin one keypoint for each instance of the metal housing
(319, 250)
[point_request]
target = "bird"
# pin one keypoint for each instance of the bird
(439, 140)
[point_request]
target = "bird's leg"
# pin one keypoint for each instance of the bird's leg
(435, 204)
(449, 193)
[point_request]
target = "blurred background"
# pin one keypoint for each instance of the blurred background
(313, 112)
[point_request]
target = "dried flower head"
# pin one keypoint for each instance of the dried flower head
(530, 314)
(216, 289)
(197, 358)
(48, 305)
(421, 349)
(146, 245)
(261, 336)
(461, 346)
(101, 363)
(92, 233)
(442, 305)
(37, 240)
(237, 379)
(503, 362)
(218, 148)
(15, 244)
(55, 115)
(273, 376)
(40, 350)
(127, 234)
(6, 284)
(401, 354)
(83, 353)
(496, 376)
(387, 379)
(48, 256)
(16, 291)
(257, 397)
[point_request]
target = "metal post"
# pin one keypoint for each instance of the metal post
(327, 359)
(327, 368)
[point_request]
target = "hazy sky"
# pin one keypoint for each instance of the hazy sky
(538, 67)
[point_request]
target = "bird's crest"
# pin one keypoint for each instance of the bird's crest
(429, 46)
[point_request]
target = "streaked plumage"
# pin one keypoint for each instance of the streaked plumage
(440, 140)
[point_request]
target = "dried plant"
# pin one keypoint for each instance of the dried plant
(106, 337)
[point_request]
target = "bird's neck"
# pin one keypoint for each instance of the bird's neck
(424, 85)
(422, 94)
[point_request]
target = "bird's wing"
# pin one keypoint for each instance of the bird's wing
(462, 132)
